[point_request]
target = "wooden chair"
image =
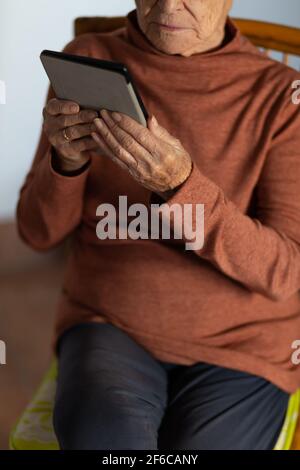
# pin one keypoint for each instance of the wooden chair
(34, 429)
(268, 36)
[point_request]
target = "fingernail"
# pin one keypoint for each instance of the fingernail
(154, 120)
(74, 108)
(98, 122)
(116, 116)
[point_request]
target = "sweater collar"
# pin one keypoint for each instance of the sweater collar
(137, 38)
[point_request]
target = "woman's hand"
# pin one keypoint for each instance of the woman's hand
(153, 157)
(69, 132)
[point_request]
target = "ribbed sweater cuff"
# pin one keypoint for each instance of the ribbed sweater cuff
(72, 184)
(197, 189)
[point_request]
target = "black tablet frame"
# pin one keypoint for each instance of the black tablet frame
(101, 64)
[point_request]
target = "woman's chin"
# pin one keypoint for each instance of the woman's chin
(169, 45)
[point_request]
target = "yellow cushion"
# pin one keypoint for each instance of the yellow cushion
(34, 430)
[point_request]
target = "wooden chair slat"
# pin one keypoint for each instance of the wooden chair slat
(286, 58)
(98, 24)
(270, 35)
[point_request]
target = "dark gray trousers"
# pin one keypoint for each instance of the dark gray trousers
(113, 394)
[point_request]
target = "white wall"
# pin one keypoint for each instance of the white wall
(276, 11)
(29, 26)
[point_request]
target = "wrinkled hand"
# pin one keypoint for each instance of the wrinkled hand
(152, 156)
(64, 118)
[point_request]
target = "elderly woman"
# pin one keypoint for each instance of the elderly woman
(160, 347)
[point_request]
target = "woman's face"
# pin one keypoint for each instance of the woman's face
(183, 27)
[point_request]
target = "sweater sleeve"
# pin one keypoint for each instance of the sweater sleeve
(50, 204)
(261, 253)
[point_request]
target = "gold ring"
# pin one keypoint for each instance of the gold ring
(67, 138)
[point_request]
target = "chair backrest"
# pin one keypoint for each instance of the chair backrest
(268, 36)
(271, 37)
(98, 24)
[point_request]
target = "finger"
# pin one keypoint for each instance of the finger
(81, 145)
(107, 151)
(117, 149)
(126, 140)
(140, 134)
(82, 117)
(55, 107)
(75, 132)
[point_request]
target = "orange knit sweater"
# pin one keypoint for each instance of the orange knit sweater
(235, 302)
